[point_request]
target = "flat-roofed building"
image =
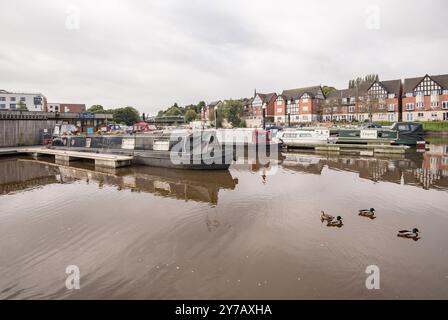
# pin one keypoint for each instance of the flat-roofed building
(22, 101)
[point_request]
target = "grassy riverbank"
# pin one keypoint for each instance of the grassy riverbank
(433, 126)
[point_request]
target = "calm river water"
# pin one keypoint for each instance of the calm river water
(252, 232)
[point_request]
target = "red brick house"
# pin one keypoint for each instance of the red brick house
(376, 101)
(299, 105)
(253, 110)
(425, 98)
(209, 109)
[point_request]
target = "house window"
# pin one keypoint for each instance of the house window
(391, 107)
(23, 99)
(12, 105)
(2, 99)
(409, 95)
(279, 102)
(420, 115)
(279, 110)
(410, 117)
(434, 104)
(292, 108)
(445, 105)
(12, 99)
(305, 108)
(409, 106)
(351, 109)
(420, 105)
(2, 106)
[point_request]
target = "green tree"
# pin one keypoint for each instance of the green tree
(22, 106)
(96, 109)
(220, 114)
(327, 90)
(359, 81)
(232, 111)
(174, 110)
(200, 106)
(126, 115)
(190, 115)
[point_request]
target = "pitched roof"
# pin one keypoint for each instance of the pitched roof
(266, 97)
(411, 83)
(392, 86)
(247, 102)
(297, 93)
(351, 92)
(214, 103)
(442, 80)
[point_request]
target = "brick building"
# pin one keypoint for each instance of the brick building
(375, 101)
(299, 105)
(425, 98)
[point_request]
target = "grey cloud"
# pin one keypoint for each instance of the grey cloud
(152, 53)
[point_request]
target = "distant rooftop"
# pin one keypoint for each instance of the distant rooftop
(10, 92)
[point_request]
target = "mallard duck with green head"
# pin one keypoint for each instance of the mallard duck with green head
(335, 222)
(368, 213)
(408, 234)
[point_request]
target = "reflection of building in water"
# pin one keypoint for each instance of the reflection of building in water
(435, 167)
(23, 175)
(427, 171)
(178, 184)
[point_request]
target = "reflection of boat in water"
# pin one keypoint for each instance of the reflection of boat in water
(178, 184)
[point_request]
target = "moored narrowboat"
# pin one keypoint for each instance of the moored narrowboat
(400, 133)
(179, 149)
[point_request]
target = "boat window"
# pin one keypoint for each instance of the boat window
(305, 135)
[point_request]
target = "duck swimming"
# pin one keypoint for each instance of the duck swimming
(414, 234)
(335, 222)
(368, 213)
(325, 217)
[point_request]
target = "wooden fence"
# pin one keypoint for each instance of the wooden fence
(15, 133)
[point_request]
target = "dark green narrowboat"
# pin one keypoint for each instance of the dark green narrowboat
(400, 133)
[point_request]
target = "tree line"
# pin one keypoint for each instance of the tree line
(126, 115)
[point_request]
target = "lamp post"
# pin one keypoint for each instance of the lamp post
(264, 116)
(216, 116)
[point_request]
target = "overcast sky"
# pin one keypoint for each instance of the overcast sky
(150, 54)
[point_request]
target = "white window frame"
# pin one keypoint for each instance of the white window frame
(445, 105)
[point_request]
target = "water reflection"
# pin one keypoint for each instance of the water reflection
(148, 233)
(18, 175)
(428, 170)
